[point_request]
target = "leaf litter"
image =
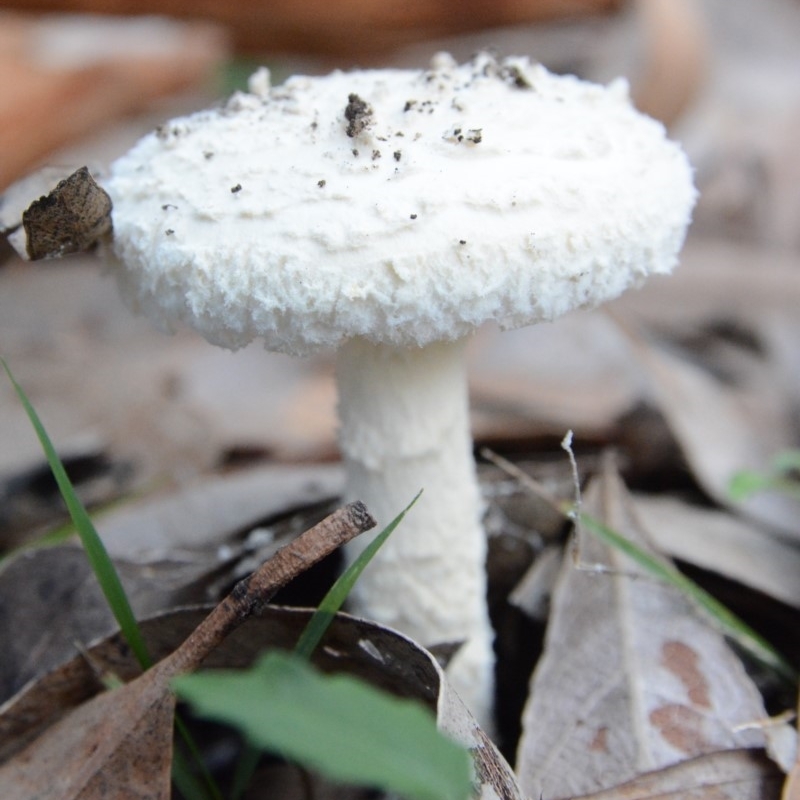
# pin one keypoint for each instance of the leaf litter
(121, 741)
(632, 680)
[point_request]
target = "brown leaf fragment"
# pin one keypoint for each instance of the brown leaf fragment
(494, 778)
(365, 650)
(127, 733)
(118, 735)
(722, 542)
(728, 775)
(791, 788)
(632, 679)
(72, 218)
(722, 429)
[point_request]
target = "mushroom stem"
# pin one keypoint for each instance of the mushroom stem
(404, 425)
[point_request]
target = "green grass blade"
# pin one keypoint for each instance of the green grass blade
(744, 484)
(95, 550)
(730, 624)
(337, 725)
(337, 594)
(782, 476)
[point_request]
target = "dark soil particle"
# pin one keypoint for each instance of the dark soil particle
(236, 189)
(358, 114)
(513, 76)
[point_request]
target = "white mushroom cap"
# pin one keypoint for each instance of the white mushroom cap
(404, 207)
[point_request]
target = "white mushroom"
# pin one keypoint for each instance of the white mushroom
(388, 214)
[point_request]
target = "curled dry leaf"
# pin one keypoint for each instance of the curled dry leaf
(71, 218)
(376, 654)
(632, 680)
(126, 734)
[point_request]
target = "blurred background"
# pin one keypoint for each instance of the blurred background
(83, 80)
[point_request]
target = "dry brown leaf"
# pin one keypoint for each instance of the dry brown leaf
(127, 732)
(731, 775)
(207, 511)
(791, 787)
(366, 650)
(722, 430)
(165, 548)
(632, 680)
(49, 600)
(723, 543)
(122, 735)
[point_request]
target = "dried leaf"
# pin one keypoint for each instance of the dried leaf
(125, 734)
(376, 654)
(164, 548)
(722, 430)
(729, 775)
(721, 542)
(72, 217)
(128, 731)
(631, 679)
(208, 511)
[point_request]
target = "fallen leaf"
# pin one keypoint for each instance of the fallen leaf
(718, 541)
(632, 680)
(167, 549)
(791, 788)
(128, 731)
(722, 430)
(208, 511)
(728, 775)
(378, 655)
(72, 217)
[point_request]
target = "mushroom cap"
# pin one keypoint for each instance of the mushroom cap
(401, 206)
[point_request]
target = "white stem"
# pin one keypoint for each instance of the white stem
(404, 427)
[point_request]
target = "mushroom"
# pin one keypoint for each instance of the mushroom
(389, 214)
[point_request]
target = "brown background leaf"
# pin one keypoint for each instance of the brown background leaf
(631, 680)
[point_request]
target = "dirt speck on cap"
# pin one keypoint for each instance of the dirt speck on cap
(358, 114)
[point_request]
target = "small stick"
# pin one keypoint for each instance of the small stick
(253, 592)
(529, 482)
